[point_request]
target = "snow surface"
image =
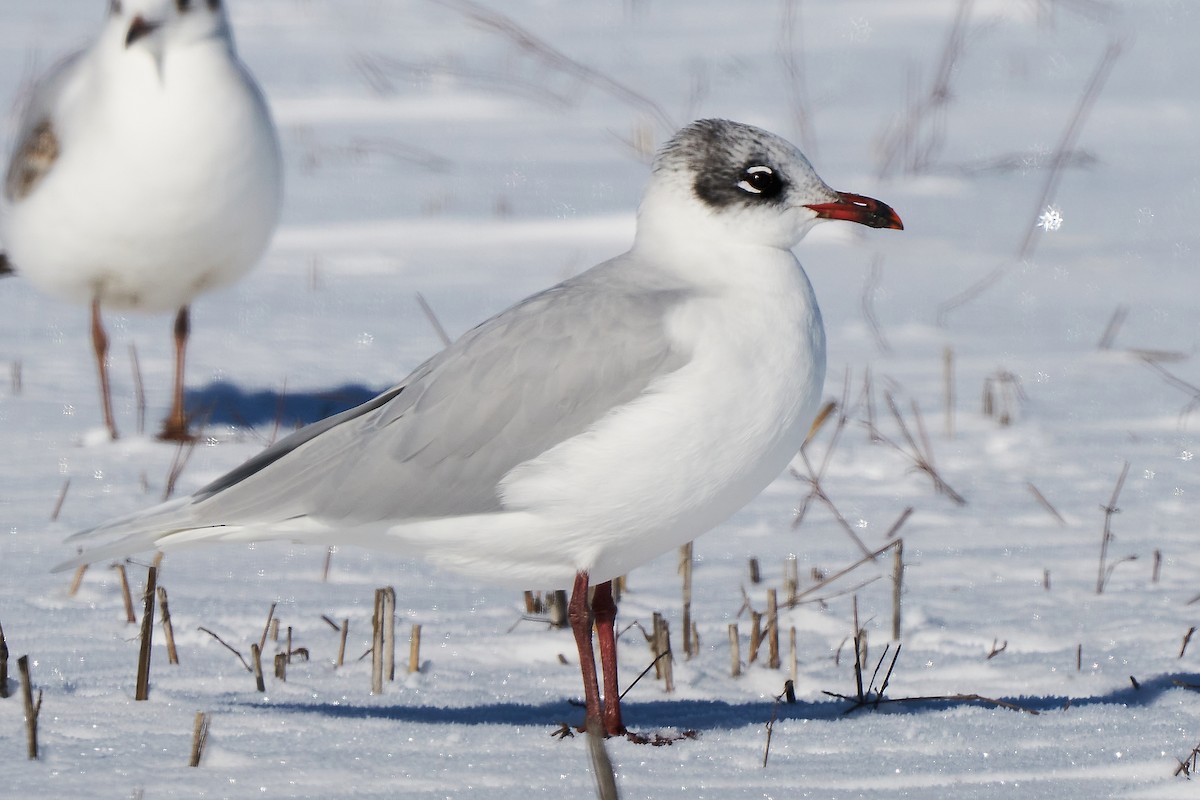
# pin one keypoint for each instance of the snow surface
(428, 152)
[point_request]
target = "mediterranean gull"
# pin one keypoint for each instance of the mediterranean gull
(590, 427)
(146, 171)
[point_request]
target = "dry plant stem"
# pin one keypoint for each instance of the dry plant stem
(1106, 539)
(556, 59)
(1041, 498)
(62, 498)
(791, 579)
(434, 322)
(755, 636)
(377, 644)
(840, 573)
(685, 569)
(256, 657)
(327, 565)
(281, 666)
(794, 657)
(1062, 154)
(948, 393)
(921, 453)
(142, 691)
(345, 631)
(287, 651)
(4, 664)
(897, 586)
(139, 388)
(1114, 325)
(414, 650)
(791, 53)
(913, 143)
(199, 738)
(664, 653)
(1187, 637)
(389, 633)
(558, 608)
(771, 722)
(870, 288)
(14, 378)
(899, 523)
(183, 454)
(735, 651)
(755, 573)
(77, 579)
(1156, 570)
(602, 766)
(262, 640)
(168, 628)
(32, 709)
(228, 647)
(126, 597)
(773, 660)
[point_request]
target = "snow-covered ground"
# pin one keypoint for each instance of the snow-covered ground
(429, 151)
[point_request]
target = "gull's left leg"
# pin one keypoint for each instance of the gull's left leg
(605, 611)
(175, 426)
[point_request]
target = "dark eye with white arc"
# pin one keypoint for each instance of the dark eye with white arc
(760, 180)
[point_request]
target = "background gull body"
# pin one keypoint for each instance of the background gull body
(146, 171)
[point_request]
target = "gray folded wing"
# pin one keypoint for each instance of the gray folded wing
(438, 444)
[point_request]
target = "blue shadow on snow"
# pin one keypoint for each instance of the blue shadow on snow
(700, 715)
(220, 403)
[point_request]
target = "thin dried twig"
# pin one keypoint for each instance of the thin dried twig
(228, 647)
(427, 310)
(1109, 510)
(1062, 153)
(554, 58)
(870, 289)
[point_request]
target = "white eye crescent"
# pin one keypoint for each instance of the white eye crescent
(760, 178)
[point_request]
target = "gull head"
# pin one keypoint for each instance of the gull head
(717, 179)
(156, 25)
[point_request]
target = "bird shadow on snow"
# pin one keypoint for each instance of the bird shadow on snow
(221, 403)
(700, 715)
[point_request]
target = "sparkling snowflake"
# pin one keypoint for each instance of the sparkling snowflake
(1051, 219)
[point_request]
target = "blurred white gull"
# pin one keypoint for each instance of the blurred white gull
(146, 171)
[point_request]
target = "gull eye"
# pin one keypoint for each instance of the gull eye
(183, 5)
(214, 5)
(761, 181)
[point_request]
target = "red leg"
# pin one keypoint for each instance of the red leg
(580, 616)
(175, 426)
(606, 615)
(100, 345)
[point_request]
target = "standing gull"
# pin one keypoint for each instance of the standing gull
(590, 427)
(146, 171)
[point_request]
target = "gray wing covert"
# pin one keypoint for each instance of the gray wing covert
(518, 384)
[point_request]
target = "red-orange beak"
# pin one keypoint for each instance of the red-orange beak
(863, 210)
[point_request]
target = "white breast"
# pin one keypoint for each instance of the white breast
(701, 442)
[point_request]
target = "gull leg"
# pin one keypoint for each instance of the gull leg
(605, 611)
(580, 615)
(100, 346)
(175, 426)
